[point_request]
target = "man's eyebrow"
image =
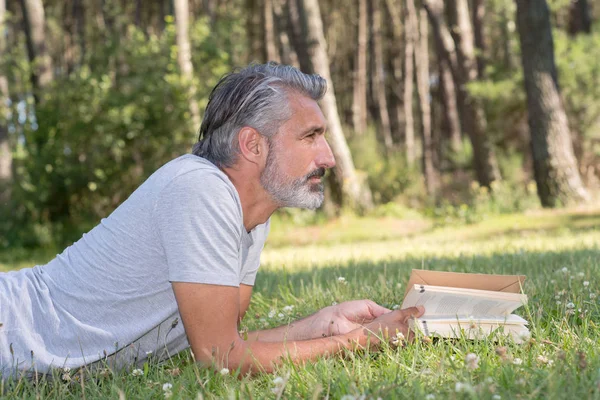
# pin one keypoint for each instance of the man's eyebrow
(315, 129)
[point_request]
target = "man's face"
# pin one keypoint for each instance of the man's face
(298, 156)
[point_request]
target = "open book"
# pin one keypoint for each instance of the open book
(469, 305)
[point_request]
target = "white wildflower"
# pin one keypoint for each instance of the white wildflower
(334, 303)
(593, 296)
(580, 274)
(552, 281)
(148, 353)
(558, 303)
(348, 397)
(280, 315)
(272, 313)
(565, 270)
(472, 361)
(496, 397)
(66, 370)
(66, 377)
(137, 372)
(430, 396)
(342, 280)
(517, 361)
(395, 307)
(462, 387)
(224, 371)
(277, 380)
(570, 305)
(543, 359)
(167, 387)
(586, 283)
(288, 309)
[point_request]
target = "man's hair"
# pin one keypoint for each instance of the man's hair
(255, 96)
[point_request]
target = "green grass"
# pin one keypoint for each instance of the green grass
(558, 251)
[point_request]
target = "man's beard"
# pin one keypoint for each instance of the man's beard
(289, 192)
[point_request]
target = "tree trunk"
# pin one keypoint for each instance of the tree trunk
(184, 56)
(79, 16)
(298, 34)
(555, 166)
(478, 12)
(462, 62)
(396, 96)
(287, 54)
(422, 74)
(410, 26)
(269, 33)
(379, 81)
(255, 32)
(450, 117)
(355, 193)
(359, 100)
(580, 20)
(5, 152)
(41, 64)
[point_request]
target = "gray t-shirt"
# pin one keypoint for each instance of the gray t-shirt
(108, 299)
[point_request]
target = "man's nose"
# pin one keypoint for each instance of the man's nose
(325, 156)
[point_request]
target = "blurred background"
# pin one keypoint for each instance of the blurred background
(442, 110)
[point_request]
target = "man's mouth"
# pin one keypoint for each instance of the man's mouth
(316, 175)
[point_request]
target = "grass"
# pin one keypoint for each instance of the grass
(558, 251)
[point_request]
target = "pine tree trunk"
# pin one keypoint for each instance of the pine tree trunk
(580, 20)
(450, 117)
(355, 193)
(463, 66)
(184, 56)
(298, 34)
(5, 152)
(478, 12)
(269, 33)
(410, 26)
(359, 100)
(555, 166)
(255, 32)
(287, 54)
(379, 81)
(34, 21)
(422, 77)
(396, 97)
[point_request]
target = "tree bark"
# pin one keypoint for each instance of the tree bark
(287, 54)
(555, 166)
(184, 56)
(5, 151)
(478, 12)
(379, 81)
(450, 117)
(298, 34)
(255, 32)
(580, 20)
(410, 27)
(422, 77)
(41, 64)
(396, 60)
(355, 193)
(359, 99)
(462, 63)
(269, 33)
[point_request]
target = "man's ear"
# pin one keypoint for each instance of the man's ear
(252, 145)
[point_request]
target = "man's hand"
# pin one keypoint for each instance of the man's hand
(387, 325)
(348, 316)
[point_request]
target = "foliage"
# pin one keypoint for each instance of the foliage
(103, 133)
(389, 176)
(561, 360)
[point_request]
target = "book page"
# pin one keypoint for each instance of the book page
(457, 303)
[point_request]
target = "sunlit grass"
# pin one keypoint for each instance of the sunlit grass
(559, 253)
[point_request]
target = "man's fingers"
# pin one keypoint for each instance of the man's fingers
(415, 312)
(376, 310)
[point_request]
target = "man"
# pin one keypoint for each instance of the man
(173, 266)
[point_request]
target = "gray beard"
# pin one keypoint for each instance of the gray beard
(298, 193)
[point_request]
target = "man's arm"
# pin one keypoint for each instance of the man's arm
(210, 314)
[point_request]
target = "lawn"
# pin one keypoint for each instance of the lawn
(558, 251)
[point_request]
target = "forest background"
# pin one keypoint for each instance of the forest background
(452, 110)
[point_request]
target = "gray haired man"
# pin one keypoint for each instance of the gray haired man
(174, 265)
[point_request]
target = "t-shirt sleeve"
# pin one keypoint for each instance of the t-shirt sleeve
(198, 221)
